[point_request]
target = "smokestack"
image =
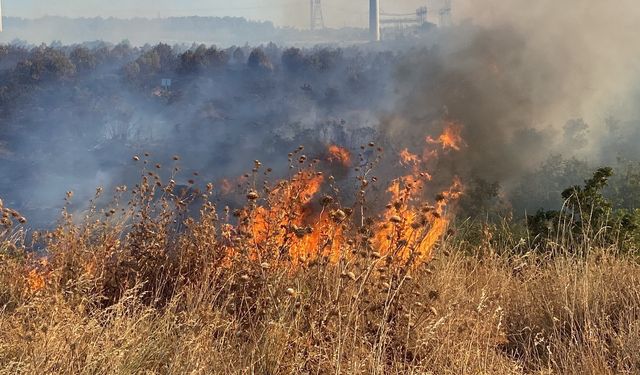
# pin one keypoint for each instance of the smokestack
(374, 19)
(0, 16)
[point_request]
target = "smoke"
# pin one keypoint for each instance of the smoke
(526, 80)
(590, 45)
(74, 120)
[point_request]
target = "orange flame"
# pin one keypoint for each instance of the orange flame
(407, 158)
(282, 224)
(412, 227)
(35, 281)
(339, 155)
(284, 227)
(451, 137)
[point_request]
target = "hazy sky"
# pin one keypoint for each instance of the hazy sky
(337, 13)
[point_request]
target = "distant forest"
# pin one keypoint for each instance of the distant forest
(211, 30)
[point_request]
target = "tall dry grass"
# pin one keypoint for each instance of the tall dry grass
(142, 289)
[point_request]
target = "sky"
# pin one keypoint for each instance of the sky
(337, 13)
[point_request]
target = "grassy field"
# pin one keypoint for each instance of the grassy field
(279, 288)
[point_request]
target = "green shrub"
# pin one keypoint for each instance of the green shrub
(590, 216)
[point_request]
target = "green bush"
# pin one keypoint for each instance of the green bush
(590, 216)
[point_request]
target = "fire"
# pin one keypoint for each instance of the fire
(412, 227)
(451, 137)
(35, 281)
(36, 278)
(339, 155)
(287, 225)
(283, 223)
(407, 158)
(290, 224)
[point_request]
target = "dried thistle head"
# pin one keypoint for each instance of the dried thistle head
(253, 195)
(338, 216)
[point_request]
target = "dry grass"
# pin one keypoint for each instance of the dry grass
(138, 289)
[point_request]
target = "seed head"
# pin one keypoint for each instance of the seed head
(253, 195)
(428, 208)
(326, 200)
(395, 219)
(338, 216)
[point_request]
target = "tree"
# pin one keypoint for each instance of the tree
(588, 203)
(238, 56)
(259, 60)
(167, 59)
(201, 58)
(131, 71)
(293, 59)
(83, 59)
(46, 63)
(149, 63)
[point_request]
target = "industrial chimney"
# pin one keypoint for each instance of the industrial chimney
(0, 16)
(374, 19)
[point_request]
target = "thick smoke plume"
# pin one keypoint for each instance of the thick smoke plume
(526, 80)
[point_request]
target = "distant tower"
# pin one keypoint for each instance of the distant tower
(421, 15)
(374, 19)
(445, 14)
(317, 21)
(0, 16)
